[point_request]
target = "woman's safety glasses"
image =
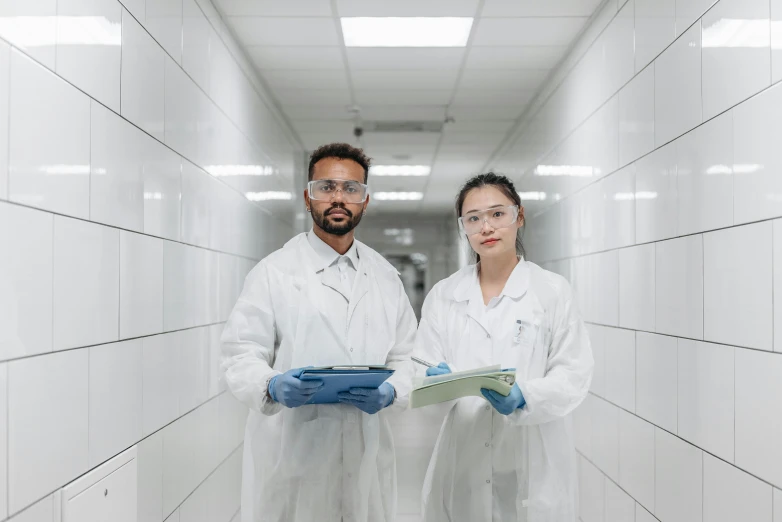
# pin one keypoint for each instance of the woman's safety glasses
(497, 217)
(326, 190)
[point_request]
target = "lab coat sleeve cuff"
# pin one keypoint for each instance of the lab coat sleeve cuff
(401, 393)
(267, 405)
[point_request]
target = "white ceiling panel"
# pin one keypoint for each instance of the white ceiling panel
(274, 7)
(490, 126)
(488, 112)
(256, 30)
(377, 207)
(314, 97)
(480, 151)
(539, 7)
(396, 158)
(397, 184)
(402, 97)
(528, 57)
(473, 138)
(486, 97)
(380, 139)
(385, 59)
(323, 126)
(527, 31)
(299, 112)
(407, 7)
(296, 58)
(306, 79)
(403, 113)
(407, 80)
(496, 79)
(313, 141)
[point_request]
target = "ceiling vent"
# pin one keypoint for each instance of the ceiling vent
(402, 126)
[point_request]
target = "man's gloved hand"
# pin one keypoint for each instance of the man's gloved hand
(369, 400)
(292, 392)
(505, 405)
(440, 369)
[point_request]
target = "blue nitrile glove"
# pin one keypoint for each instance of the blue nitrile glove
(369, 400)
(290, 391)
(440, 369)
(505, 405)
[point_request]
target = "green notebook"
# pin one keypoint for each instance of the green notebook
(443, 388)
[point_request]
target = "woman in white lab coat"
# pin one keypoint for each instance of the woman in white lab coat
(504, 458)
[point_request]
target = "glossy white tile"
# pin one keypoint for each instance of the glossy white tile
(89, 47)
(49, 165)
(636, 117)
(636, 458)
(233, 419)
(679, 287)
(163, 20)
(142, 81)
(26, 264)
(215, 377)
(704, 162)
(706, 398)
(597, 340)
(592, 493)
(150, 479)
(5, 88)
(161, 380)
(776, 42)
(605, 267)
(757, 157)
(141, 285)
(605, 437)
(758, 392)
(197, 37)
(736, 61)
(582, 427)
(637, 287)
(619, 506)
(162, 177)
(777, 505)
(678, 479)
(198, 211)
(4, 439)
(31, 25)
(737, 295)
(184, 104)
(730, 494)
(656, 379)
(137, 8)
(620, 367)
(116, 178)
(777, 282)
(656, 195)
(618, 41)
(677, 87)
(42, 511)
(178, 463)
(194, 368)
(655, 29)
(50, 448)
(619, 200)
(642, 515)
(689, 11)
(115, 399)
(86, 283)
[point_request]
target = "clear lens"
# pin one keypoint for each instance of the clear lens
(327, 189)
(499, 217)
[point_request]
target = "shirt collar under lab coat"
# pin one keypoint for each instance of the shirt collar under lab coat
(515, 287)
(325, 256)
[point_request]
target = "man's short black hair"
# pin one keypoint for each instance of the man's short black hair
(341, 151)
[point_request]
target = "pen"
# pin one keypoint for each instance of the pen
(422, 362)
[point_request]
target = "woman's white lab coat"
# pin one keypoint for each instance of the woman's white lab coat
(486, 466)
(329, 463)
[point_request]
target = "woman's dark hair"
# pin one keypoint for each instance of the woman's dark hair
(342, 151)
(501, 183)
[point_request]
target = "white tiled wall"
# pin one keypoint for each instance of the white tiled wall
(125, 236)
(671, 237)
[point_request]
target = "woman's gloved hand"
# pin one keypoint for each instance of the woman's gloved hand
(369, 400)
(440, 369)
(505, 405)
(292, 392)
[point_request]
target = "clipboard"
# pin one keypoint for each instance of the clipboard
(338, 379)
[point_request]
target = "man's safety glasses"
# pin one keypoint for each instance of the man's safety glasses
(326, 190)
(497, 217)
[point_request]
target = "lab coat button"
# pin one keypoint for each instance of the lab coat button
(488, 481)
(488, 444)
(487, 408)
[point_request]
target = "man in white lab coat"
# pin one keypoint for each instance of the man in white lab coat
(323, 299)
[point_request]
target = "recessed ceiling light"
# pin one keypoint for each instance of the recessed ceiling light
(400, 170)
(271, 195)
(398, 196)
(406, 32)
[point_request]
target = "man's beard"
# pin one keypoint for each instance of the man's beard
(338, 229)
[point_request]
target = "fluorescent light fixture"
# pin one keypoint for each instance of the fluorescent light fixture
(154, 196)
(45, 31)
(733, 32)
(239, 170)
(532, 196)
(400, 170)
(579, 171)
(269, 196)
(398, 196)
(406, 32)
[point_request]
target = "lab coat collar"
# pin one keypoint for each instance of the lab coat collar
(515, 287)
(325, 256)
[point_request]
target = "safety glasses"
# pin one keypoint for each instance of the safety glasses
(496, 217)
(326, 190)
